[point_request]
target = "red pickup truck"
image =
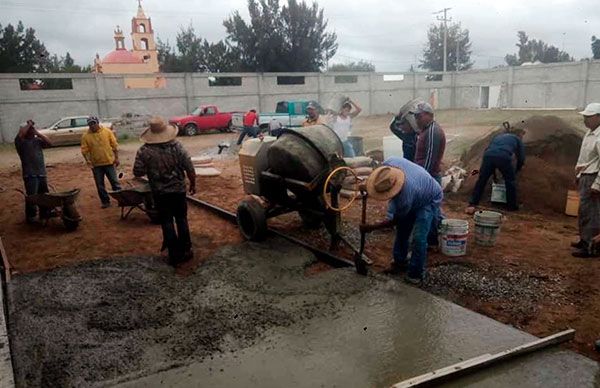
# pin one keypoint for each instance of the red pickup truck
(205, 118)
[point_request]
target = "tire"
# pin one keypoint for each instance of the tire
(190, 130)
(310, 220)
(252, 220)
(229, 128)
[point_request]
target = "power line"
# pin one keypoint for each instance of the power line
(88, 10)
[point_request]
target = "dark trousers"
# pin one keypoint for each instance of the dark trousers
(173, 206)
(432, 238)
(250, 131)
(488, 165)
(589, 209)
(111, 173)
(35, 185)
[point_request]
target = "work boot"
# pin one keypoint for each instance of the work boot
(105, 205)
(585, 254)
(396, 268)
(413, 281)
(579, 244)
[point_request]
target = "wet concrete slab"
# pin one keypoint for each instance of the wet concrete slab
(250, 317)
(383, 335)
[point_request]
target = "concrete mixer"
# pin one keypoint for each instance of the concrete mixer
(292, 173)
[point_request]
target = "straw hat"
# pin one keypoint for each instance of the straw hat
(385, 183)
(158, 132)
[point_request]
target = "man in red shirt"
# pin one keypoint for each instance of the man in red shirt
(250, 126)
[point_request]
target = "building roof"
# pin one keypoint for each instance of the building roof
(121, 56)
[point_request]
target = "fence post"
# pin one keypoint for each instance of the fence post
(585, 74)
(509, 87)
(101, 95)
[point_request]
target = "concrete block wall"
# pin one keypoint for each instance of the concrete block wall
(564, 85)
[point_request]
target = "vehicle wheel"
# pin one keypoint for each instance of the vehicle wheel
(310, 220)
(263, 129)
(252, 220)
(191, 130)
(230, 127)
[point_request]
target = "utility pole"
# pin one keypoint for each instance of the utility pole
(457, 51)
(444, 19)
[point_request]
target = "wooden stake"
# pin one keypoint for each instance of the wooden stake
(473, 364)
(5, 262)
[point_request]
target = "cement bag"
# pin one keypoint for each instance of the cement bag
(359, 161)
(363, 171)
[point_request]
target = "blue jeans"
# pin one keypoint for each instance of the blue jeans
(111, 173)
(432, 239)
(250, 131)
(35, 185)
(419, 223)
(348, 149)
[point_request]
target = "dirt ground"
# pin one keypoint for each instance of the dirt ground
(528, 280)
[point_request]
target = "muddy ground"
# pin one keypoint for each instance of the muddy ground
(528, 280)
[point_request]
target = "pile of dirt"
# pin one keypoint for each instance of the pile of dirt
(552, 148)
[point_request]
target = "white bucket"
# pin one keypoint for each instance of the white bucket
(392, 146)
(487, 227)
(453, 237)
(498, 193)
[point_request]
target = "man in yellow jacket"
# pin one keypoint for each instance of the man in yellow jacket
(100, 150)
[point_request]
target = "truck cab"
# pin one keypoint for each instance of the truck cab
(203, 118)
(287, 113)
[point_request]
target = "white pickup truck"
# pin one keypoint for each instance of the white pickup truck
(287, 113)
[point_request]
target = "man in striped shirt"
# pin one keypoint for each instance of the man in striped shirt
(431, 144)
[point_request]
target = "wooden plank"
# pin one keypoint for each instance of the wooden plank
(476, 363)
(5, 262)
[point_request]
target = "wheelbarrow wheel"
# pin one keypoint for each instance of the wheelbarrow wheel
(252, 220)
(70, 225)
(310, 220)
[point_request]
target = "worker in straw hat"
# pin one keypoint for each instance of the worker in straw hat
(414, 196)
(588, 179)
(166, 163)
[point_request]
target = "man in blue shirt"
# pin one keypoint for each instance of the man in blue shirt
(499, 155)
(402, 129)
(413, 198)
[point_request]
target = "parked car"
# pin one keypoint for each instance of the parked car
(68, 130)
(288, 113)
(205, 118)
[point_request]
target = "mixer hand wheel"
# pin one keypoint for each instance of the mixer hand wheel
(328, 181)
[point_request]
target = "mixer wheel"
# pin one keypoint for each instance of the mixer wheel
(252, 220)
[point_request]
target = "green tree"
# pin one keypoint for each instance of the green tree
(596, 47)
(289, 38)
(21, 51)
(531, 50)
(353, 66)
(433, 54)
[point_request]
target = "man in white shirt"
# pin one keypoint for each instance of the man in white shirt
(587, 168)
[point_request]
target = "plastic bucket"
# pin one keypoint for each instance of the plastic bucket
(453, 237)
(572, 206)
(498, 193)
(487, 227)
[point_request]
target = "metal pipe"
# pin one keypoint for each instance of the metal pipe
(321, 254)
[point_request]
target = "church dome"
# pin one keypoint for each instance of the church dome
(121, 56)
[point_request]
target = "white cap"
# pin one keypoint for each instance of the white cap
(591, 110)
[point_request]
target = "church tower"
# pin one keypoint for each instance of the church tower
(142, 36)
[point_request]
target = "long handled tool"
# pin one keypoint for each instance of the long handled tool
(359, 261)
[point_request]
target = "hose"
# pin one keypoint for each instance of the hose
(328, 202)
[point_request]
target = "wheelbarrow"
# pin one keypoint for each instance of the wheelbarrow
(138, 197)
(58, 204)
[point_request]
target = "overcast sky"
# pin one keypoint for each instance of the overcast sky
(391, 34)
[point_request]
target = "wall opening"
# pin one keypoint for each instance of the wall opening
(144, 43)
(224, 81)
(142, 28)
(393, 77)
(290, 80)
(484, 97)
(345, 79)
(46, 83)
